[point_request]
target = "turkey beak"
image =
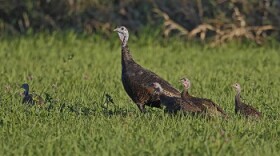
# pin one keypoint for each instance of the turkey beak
(117, 29)
(22, 88)
(181, 80)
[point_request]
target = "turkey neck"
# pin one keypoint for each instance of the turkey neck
(237, 99)
(185, 93)
(25, 93)
(126, 56)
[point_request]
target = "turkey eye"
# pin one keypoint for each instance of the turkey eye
(122, 28)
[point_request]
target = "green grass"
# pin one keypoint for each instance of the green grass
(77, 72)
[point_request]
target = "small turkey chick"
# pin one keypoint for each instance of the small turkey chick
(204, 104)
(31, 98)
(242, 108)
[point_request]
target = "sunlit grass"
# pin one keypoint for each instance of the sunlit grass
(78, 71)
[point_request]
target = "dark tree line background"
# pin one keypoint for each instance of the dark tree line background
(216, 20)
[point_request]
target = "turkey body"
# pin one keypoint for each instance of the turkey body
(135, 78)
(175, 104)
(206, 105)
(33, 99)
(242, 108)
(27, 99)
(245, 109)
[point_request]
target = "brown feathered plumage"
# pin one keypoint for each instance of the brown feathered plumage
(242, 108)
(173, 104)
(135, 77)
(204, 104)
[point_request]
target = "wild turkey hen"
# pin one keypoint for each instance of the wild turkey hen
(31, 98)
(172, 104)
(135, 77)
(242, 108)
(205, 105)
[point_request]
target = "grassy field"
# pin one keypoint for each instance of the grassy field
(79, 73)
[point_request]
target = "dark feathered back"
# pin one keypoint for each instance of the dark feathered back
(205, 105)
(175, 104)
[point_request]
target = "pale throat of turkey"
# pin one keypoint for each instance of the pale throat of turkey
(124, 41)
(123, 37)
(186, 85)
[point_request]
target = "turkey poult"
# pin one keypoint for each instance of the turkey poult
(31, 98)
(242, 108)
(206, 105)
(135, 77)
(172, 104)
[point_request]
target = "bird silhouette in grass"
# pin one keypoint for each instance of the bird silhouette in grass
(242, 108)
(204, 104)
(29, 98)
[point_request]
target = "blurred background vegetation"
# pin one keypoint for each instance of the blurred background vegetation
(216, 21)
